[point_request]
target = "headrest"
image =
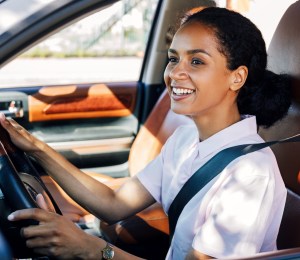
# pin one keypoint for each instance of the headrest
(284, 49)
(284, 57)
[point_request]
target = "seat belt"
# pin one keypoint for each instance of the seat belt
(210, 170)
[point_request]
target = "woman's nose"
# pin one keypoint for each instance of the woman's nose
(178, 71)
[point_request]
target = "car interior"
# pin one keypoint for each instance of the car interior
(140, 233)
(283, 57)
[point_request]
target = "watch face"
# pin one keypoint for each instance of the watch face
(108, 252)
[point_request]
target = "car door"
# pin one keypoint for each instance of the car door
(79, 89)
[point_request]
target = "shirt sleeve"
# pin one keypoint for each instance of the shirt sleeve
(237, 219)
(151, 177)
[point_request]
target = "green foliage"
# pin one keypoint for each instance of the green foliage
(80, 54)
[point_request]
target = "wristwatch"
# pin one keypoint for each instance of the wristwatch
(108, 252)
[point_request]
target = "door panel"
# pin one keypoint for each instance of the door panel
(90, 101)
(93, 125)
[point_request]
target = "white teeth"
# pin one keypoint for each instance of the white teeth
(182, 91)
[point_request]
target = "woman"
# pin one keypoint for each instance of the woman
(216, 75)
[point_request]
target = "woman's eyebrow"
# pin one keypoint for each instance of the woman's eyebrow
(172, 51)
(191, 51)
(198, 51)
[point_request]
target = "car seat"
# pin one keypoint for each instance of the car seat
(284, 57)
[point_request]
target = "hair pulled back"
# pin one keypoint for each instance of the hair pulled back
(265, 94)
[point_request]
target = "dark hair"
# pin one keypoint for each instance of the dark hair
(265, 94)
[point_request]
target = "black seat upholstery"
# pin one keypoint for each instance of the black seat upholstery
(289, 233)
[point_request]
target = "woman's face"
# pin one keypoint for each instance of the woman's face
(196, 76)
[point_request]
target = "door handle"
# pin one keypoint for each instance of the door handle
(12, 108)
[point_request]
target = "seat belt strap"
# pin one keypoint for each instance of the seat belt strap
(210, 170)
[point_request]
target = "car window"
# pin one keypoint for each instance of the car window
(106, 46)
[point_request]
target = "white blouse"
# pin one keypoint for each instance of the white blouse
(236, 214)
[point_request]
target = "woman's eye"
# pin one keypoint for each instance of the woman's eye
(172, 59)
(197, 62)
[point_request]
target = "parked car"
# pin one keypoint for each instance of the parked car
(87, 78)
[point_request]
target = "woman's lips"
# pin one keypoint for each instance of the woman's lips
(181, 93)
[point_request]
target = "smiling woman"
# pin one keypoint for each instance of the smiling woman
(217, 56)
(212, 63)
(81, 134)
(196, 71)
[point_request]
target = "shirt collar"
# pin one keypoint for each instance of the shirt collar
(243, 128)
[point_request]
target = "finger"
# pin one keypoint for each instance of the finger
(15, 124)
(45, 230)
(11, 127)
(40, 241)
(51, 252)
(42, 251)
(41, 202)
(35, 214)
(9, 123)
(3, 120)
(41, 245)
(2, 117)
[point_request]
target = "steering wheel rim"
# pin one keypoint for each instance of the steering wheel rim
(19, 184)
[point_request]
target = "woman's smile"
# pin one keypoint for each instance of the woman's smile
(179, 93)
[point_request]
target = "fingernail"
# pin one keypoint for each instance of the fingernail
(11, 217)
(3, 118)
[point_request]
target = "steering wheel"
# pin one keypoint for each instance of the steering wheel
(20, 182)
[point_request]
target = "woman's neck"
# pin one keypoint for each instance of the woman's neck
(209, 125)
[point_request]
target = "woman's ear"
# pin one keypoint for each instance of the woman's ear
(239, 78)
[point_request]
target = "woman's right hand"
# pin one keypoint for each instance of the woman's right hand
(57, 237)
(20, 136)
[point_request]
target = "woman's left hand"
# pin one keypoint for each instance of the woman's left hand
(20, 136)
